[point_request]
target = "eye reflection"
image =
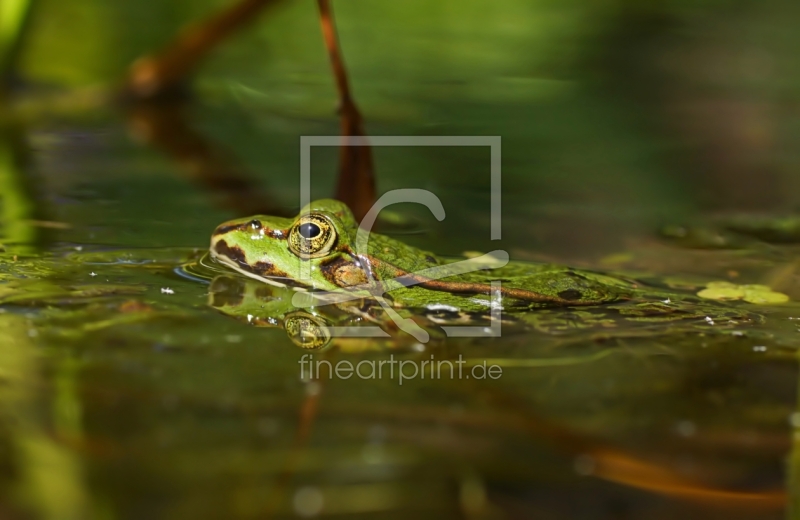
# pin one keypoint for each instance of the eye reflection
(307, 331)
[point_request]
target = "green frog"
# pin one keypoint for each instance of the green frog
(319, 252)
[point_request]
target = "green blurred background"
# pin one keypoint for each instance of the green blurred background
(615, 116)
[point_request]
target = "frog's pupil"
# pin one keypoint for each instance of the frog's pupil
(309, 230)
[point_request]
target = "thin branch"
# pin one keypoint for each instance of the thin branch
(356, 182)
(165, 72)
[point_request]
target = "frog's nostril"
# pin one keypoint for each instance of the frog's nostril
(255, 224)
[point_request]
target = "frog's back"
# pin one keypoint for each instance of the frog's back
(562, 283)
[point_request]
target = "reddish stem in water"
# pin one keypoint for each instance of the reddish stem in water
(152, 76)
(356, 183)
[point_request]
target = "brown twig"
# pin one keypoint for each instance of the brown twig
(356, 183)
(165, 72)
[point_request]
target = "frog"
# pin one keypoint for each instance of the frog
(321, 242)
(317, 251)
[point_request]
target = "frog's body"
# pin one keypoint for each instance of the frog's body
(317, 250)
(321, 243)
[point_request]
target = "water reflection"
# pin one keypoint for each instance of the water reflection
(698, 417)
(264, 305)
(166, 127)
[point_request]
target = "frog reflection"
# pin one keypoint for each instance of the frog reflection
(264, 305)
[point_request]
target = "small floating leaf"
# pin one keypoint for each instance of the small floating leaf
(753, 293)
(759, 288)
(765, 297)
(722, 291)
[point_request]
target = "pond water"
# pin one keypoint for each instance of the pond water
(129, 390)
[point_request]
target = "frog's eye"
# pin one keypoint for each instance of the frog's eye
(307, 331)
(312, 236)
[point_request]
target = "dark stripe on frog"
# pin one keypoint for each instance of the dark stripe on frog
(404, 277)
(223, 229)
(237, 255)
(280, 234)
(234, 253)
(267, 269)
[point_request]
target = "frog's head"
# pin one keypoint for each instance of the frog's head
(267, 248)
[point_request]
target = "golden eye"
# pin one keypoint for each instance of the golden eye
(307, 331)
(312, 236)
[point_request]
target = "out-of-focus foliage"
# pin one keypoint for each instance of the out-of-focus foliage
(13, 14)
(641, 107)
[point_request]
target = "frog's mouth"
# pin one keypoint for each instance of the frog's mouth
(235, 259)
(227, 262)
